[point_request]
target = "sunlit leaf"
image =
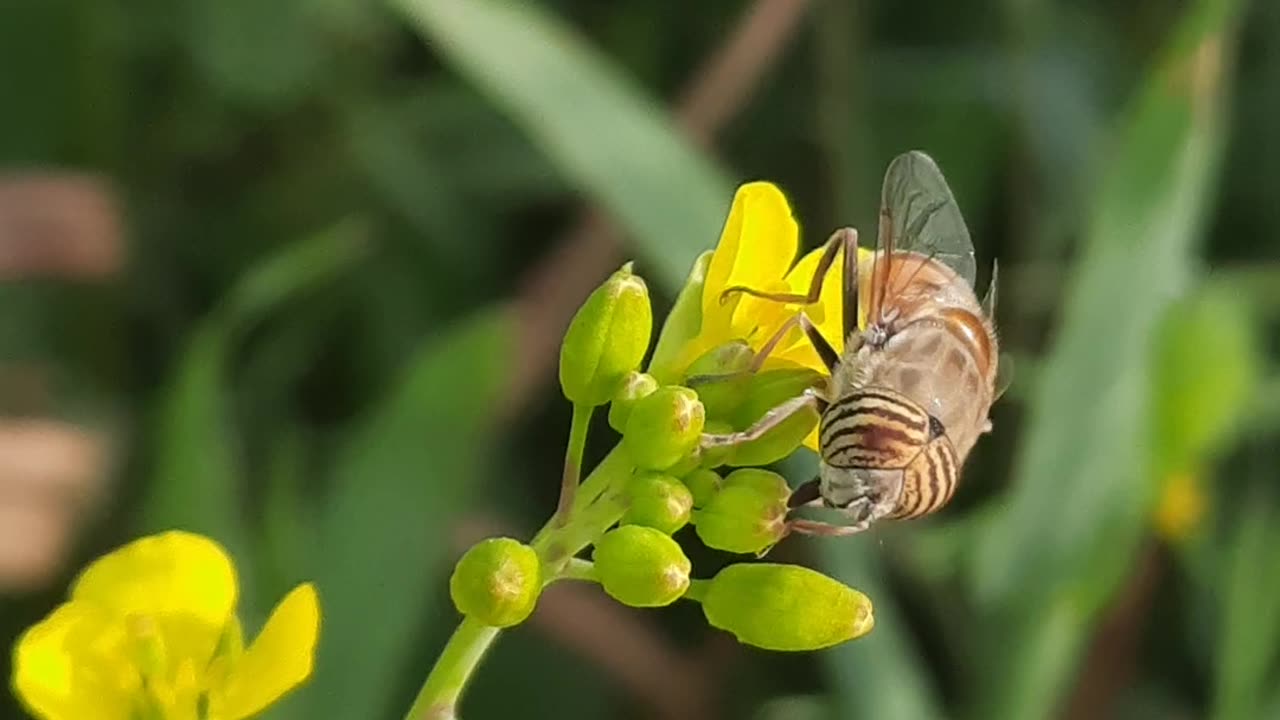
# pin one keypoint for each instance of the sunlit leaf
(197, 469)
(400, 482)
(1250, 622)
(1080, 465)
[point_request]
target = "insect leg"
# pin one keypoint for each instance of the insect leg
(769, 421)
(828, 354)
(813, 527)
(846, 238)
(809, 493)
(757, 362)
(825, 351)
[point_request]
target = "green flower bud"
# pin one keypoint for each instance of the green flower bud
(703, 485)
(769, 484)
(766, 391)
(785, 607)
(742, 519)
(664, 428)
(634, 386)
(497, 582)
(723, 392)
(641, 567)
(688, 463)
(731, 357)
(658, 501)
(606, 340)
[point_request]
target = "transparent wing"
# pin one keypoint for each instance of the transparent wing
(1004, 375)
(919, 214)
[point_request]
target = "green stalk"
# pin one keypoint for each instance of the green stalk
(593, 509)
(573, 461)
(579, 569)
(439, 695)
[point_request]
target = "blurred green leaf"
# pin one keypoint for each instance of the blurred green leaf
(1250, 622)
(238, 46)
(549, 681)
(1083, 483)
(795, 707)
(1196, 407)
(400, 484)
(880, 675)
(197, 469)
(589, 119)
(289, 530)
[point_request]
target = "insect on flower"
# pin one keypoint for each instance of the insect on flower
(910, 395)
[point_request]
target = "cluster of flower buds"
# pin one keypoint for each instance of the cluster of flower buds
(671, 481)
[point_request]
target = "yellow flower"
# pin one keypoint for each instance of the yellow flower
(1180, 508)
(757, 249)
(151, 632)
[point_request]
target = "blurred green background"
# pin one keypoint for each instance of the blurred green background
(294, 273)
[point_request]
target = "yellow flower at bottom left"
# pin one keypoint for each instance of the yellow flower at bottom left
(151, 633)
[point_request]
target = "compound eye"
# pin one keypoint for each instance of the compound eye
(936, 430)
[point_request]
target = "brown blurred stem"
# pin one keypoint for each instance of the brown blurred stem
(1112, 656)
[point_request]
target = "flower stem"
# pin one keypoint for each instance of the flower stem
(592, 510)
(697, 590)
(439, 694)
(573, 461)
(579, 569)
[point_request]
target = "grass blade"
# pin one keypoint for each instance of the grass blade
(398, 484)
(594, 125)
(197, 469)
(1083, 479)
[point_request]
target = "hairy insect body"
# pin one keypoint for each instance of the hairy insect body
(909, 398)
(909, 395)
(937, 347)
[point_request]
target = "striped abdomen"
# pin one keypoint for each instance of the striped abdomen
(929, 481)
(873, 428)
(879, 429)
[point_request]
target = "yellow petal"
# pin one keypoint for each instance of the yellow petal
(75, 664)
(757, 245)
(281, 657)
(811, 441)
(183, 582)
(827, 314)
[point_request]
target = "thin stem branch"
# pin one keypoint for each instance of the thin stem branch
(440, 693)
(593, 509)
(579, 569)
(573, 461)
(697, 589)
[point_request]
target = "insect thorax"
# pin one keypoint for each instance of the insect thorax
(935, 364)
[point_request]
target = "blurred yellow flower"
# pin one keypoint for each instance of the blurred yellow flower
(1180, 508)
(757, 249)
(151, 632)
